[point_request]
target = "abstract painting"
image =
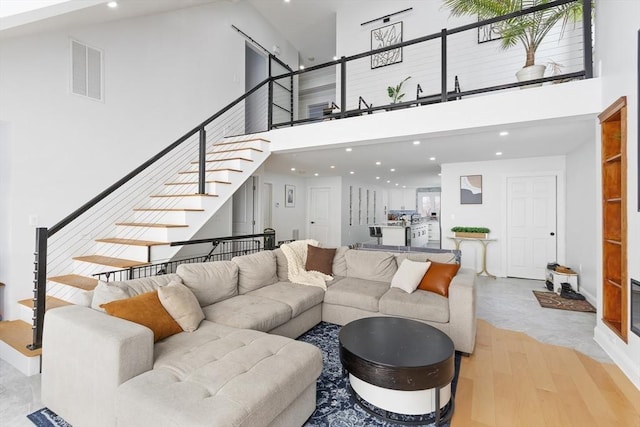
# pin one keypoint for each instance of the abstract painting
(471, 190)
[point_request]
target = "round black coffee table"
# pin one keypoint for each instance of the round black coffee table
(399, 365)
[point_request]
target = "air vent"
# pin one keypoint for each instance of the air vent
(86, 71)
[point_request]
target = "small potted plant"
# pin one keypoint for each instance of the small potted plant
(473, 232)
(395, 92)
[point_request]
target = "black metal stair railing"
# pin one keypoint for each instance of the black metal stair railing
(281, 106)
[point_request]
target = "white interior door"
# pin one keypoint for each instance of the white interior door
(319, 224)
(244, 209)
(531, 225)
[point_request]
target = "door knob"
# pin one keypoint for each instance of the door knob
(552, 233)
(313, 222)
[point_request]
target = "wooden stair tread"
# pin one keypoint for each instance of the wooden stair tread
(167, 210)
(184, 195)
(224, 160)
(151, 225)
(233, 150)
(213, 170)
(131, 242)
(215, 181)
(241, 142)
(76, 280)
(50, 302)
(18, 334)
(111, 262)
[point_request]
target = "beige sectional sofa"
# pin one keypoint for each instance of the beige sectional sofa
(242, 365)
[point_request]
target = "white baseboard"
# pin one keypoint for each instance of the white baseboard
(606, 340)
(25, 364)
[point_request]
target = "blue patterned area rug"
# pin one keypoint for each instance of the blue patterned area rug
(335, 406)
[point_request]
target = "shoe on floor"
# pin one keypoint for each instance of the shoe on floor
(568, 293)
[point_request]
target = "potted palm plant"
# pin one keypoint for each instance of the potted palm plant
(529, 29)
(395, 92)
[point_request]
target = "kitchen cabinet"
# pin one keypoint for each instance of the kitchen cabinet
(402, 198)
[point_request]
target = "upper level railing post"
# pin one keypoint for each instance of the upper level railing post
(202, 164)
(291, 99)
(343, 87)
(39, 287)
(270, 103)
(443, 71)
(587, 42)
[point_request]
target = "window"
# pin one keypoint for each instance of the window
(86, 71)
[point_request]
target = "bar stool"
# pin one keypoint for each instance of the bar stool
(375, 232)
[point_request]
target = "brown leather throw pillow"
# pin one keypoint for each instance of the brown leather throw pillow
(320, 259)
(438, 277)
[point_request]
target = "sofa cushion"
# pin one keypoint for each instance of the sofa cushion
(442, 257)
(409, 275)
(358, 293)
(320, 259)
(371, 265)
(438, 277)
(210, 282)
(255, 271)
(219, 376)
(249, 312)
(282, 265)
(145, 309)
(421, 305)
(182, 305)
(299, 297)
(339, 267)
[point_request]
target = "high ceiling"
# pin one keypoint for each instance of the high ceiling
(310, 25)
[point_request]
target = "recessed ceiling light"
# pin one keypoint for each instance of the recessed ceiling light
(504, 133)
(112, 4)
(499, 153)
(348, 150)
(378, 163)
(293, 169)
(392, 170)
(287, 1)
(397, 184)
(404, 186)
(439, 174)
(332, 167)
(416, 142)
(316, 174)
(301, 67)
(377, 177)
(351, 172)
(388, 182)
(432, 158)
(335, 58)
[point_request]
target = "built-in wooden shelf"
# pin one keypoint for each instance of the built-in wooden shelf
(614, 217)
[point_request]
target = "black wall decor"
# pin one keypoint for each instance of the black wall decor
(383, 37)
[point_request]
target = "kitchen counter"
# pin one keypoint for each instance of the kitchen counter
(396, 233)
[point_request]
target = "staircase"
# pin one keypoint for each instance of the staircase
(175, 213)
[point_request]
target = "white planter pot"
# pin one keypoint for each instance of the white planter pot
(531, 72)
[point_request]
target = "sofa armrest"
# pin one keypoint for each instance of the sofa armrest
(86, 355)
(462, 310)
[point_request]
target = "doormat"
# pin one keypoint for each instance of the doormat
(553, 300)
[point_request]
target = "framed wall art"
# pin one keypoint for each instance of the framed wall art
(383, 37)
(471, 190)
(289, 196)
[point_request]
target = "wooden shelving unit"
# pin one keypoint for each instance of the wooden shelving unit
(614, 217)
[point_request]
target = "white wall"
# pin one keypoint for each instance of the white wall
(476, 65)
(285, 220)
(617, 23)
(493, 210)
(163, 75)
(582, 205)
(5, 209)
(356, 230)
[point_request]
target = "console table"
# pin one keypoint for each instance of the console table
(484, 242)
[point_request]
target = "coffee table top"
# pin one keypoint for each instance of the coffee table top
(397, 353)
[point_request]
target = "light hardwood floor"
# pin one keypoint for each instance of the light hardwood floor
(513, 380)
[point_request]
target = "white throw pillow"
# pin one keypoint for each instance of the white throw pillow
(106, 292)
(182, 305)
(409, 275)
